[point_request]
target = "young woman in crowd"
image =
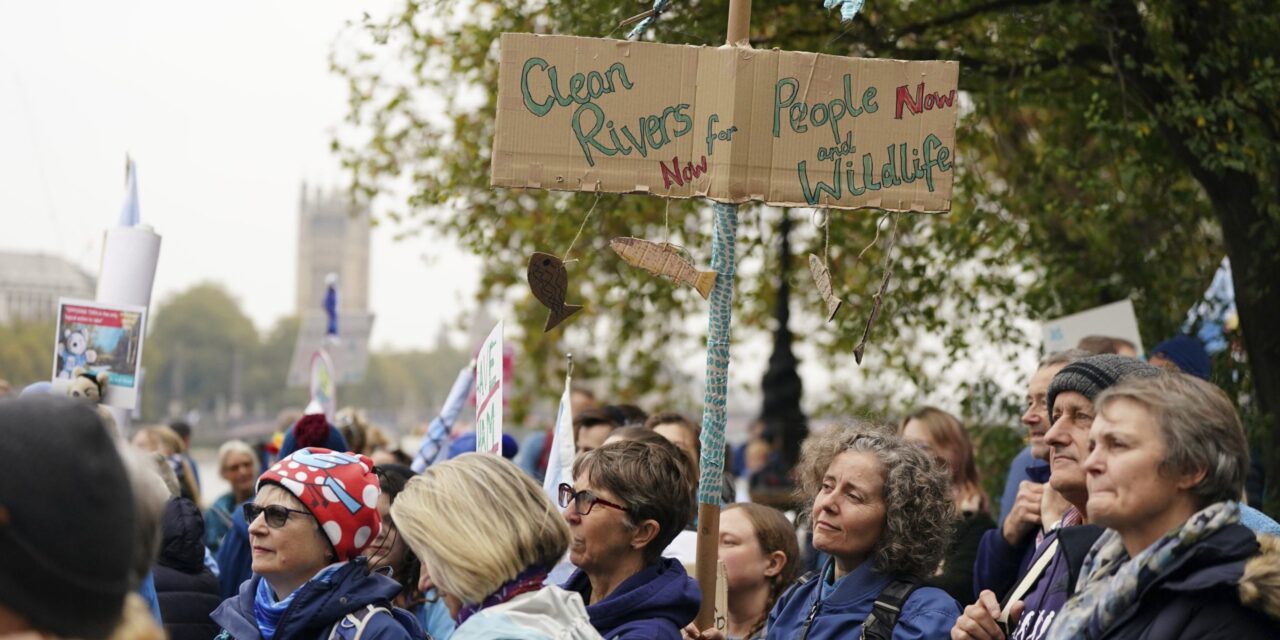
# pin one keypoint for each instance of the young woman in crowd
(488, 536)
(238, 465)
(165, 441)
(627, 503)
(943, 435)
(1165, 475)
(313, 513)
(390, 553)
(881, 508)
(761, 556)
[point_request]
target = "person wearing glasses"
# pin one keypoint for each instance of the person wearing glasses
(881, 508)
(488, 537)
(313, 513)
(628, 501)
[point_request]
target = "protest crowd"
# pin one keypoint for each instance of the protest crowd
(1126, 516)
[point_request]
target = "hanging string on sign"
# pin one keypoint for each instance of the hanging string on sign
(821, 269)
(884, 286)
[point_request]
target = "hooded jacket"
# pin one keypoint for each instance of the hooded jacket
(550, 613)
(320, 604)
(837, 611)
(654, 604)
(1227, 586)
(186, 589)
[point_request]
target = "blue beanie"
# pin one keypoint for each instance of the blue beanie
(1187, 352)
(466, 443)
(313, 431)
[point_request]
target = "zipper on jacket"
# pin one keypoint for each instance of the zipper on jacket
(813, 613)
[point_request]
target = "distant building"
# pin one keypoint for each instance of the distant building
(31, 283)
(333, 237)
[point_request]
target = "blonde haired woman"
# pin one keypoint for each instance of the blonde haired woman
(163, 440)
(488, 536)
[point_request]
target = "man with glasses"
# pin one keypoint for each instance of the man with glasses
(628, 501)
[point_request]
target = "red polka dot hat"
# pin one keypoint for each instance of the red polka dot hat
(339, 489)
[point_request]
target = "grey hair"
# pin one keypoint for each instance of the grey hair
(919, 512)
(232, 447)
(1200, 428)
(1064, 357)
(150, 495)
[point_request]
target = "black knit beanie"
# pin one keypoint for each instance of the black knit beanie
(66, 518)
(1090, 376)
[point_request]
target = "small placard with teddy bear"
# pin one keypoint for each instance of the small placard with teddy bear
(98, 350)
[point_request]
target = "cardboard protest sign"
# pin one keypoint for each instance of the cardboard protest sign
(730, 124)
(102, 337)
(1115, 320)
(489, 393)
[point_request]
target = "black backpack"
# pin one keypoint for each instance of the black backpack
(884, 613)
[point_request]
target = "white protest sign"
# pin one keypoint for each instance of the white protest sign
(1115, 320)
(489, 393)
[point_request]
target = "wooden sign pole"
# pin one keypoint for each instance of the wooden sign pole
(718, 333)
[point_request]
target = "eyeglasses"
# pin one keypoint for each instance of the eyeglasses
(275, 514)
(584, 500)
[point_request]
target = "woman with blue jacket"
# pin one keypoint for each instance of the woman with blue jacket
(313, 514)
(882, 510)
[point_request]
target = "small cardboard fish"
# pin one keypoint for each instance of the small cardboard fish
(549, 281)
(663, 260)
(822, 278)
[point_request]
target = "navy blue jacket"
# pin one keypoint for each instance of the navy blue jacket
(928, 613)
(320, 604)
(654, 604)
(1199, 595)
(1000, 564)
(186, 590)
(235, 556)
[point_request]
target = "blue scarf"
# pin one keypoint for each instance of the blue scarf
(267, 611)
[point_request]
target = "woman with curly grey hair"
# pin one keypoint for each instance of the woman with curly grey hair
(881, 509)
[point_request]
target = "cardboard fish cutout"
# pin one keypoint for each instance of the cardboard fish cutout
(822, 278)
(549, 281)
(663, 260)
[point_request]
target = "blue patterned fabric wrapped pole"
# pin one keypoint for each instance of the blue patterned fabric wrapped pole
(848, 8)
(718, 334)
(659, 6)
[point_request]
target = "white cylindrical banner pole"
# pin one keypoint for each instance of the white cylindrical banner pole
(129, 258)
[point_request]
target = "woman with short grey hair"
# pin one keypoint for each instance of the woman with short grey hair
(1166, 469)
(881, 508)
(628, 501)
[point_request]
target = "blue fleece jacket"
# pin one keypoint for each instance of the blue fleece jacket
(838, 609)
(320, 604)
(654, 604)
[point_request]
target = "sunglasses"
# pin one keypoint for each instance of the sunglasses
(275, 514)
(584, 500)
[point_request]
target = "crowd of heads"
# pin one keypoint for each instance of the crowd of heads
(1135, 447)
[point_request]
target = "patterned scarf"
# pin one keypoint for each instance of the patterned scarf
(530, 579)
(1110, 582)
(267, 612)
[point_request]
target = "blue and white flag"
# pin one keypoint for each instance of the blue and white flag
(129, 216)
(435, 446)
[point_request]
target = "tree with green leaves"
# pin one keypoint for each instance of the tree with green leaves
(1107, 149)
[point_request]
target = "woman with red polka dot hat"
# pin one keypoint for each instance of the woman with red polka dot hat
(314, 512)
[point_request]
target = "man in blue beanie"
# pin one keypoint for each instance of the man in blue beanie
(1185, 354)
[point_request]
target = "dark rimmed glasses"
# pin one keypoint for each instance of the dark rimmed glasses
(276, 515)
(584, 500)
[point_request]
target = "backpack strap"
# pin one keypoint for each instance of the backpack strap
(888, 606)
(357, 620)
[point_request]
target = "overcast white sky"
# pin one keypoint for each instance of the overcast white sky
(226, 108)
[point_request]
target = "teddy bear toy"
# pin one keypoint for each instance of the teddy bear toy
(87, 385)
(75, 352)
(90, 387)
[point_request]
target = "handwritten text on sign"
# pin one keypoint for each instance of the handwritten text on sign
(489, 393)
(786, 128)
